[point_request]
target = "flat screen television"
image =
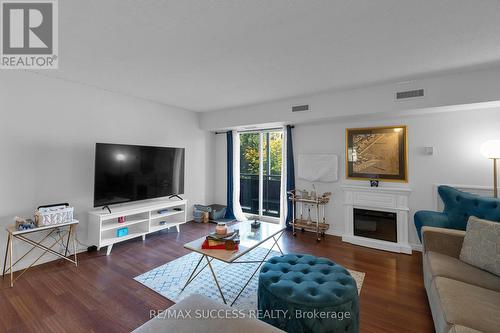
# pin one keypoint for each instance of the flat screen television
(125, 173)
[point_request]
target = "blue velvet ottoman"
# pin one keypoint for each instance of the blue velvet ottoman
(304, 293)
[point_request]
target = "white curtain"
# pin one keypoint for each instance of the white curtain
(238, 212)
(283, 194)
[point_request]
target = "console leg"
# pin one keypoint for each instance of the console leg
(143, 238)
(108, 252)
(6, 253)
(178, 228)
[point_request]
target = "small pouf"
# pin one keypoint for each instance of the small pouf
(304, 293)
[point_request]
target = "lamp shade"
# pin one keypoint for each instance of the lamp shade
(491, 149)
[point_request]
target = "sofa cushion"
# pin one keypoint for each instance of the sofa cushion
(458, 303)
(444, 241)
(437, 264)
(481, 246)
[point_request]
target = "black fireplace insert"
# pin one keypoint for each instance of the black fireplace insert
(375, 224)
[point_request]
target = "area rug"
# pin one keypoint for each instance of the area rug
(169, 279)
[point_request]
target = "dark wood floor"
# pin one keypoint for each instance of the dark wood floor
(101, 295)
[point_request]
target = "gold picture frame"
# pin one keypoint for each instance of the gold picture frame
(379, 153)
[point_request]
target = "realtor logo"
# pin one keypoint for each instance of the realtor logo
(29, 34)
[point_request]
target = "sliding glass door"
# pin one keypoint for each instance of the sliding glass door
(260, 173)
(249, 172)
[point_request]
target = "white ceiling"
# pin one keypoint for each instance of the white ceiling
(205, 55)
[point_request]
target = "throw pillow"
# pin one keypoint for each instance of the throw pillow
(481, 246)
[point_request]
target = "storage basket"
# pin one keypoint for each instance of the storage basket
(198, 215)
(53, 214)
(203, 208)
(218, 212)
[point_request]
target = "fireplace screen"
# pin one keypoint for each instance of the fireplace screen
(375, 224)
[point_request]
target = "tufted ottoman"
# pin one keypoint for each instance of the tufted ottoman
(304, 293)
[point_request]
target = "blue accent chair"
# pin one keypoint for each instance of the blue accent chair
(458, 207)
(317, 295)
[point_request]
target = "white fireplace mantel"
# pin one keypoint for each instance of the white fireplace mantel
(387, 199)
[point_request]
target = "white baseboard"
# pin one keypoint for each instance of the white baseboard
(334, 233)
(378, 244)
(416, 247)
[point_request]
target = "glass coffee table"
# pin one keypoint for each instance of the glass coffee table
(250, 239)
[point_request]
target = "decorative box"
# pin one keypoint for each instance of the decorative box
(122, 232)
(53, 215)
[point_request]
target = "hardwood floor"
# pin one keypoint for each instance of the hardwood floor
(101, 295)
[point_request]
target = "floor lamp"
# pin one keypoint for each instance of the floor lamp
(491, 149)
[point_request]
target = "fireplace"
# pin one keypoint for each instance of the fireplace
(377, 217)
(375, 224)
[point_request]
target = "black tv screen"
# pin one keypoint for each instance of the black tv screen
(125, 173)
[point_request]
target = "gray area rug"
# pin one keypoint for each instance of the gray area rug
(168, 279)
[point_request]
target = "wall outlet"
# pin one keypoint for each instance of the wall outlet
(429, 150)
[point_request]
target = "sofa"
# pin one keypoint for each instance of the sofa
(458, 207)
(462, 298)
(195, 309)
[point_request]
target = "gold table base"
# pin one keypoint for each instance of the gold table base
(209, 259)
(71, 233)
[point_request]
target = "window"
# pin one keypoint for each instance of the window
(260, 173)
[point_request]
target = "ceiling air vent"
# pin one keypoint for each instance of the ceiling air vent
(409, 94)
(300, 108)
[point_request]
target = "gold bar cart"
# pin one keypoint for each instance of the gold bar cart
(319, 226)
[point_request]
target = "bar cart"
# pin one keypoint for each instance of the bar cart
(302, 203)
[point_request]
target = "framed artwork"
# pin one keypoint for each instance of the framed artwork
(379, 153)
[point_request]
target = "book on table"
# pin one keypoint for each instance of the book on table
(228, 241)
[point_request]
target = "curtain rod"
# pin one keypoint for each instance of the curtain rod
(255, 130)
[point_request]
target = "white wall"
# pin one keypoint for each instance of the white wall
(48, 130)
(443, 93)
(456, 138)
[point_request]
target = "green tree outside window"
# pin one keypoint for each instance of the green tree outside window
(249, 153)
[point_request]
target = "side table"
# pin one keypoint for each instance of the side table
(70, 232)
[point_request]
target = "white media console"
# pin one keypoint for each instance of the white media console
(141, 218)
